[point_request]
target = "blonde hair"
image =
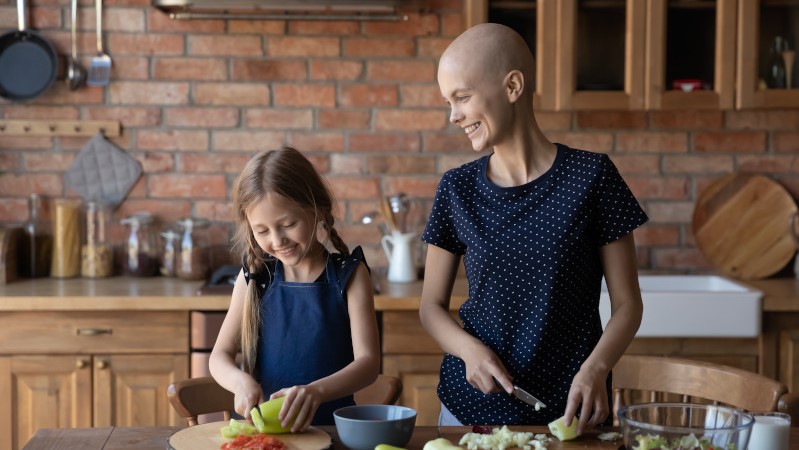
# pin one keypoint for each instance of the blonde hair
(288, 173)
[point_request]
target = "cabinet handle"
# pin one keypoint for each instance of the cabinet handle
(81, 364)
(94, 331)
(102, 364)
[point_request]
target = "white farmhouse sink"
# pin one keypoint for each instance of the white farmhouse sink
(693, 306)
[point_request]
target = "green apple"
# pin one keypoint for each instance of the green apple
(441, 444)
(268, 413)
(255, 415)
(561, 431)
(387, 447)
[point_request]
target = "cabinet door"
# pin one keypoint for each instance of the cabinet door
(419, 375)
(760, 22)
(130, 390)
(42, 392)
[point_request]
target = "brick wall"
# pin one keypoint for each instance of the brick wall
(197, 98)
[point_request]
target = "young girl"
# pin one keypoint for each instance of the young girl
(538, 225)
(302, 318)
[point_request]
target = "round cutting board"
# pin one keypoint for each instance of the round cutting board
(741, 224)
(208, 437)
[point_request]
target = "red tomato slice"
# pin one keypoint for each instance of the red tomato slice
(256, 442)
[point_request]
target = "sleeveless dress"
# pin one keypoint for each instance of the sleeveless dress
(305, 328)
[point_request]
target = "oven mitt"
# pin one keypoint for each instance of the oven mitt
(103, 172)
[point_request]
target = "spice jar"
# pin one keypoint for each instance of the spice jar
(141, 257)
(37, 242)
(169, 253)
(193, 258)
(66, 238)
(96, 255)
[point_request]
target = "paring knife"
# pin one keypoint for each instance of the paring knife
(527, 397)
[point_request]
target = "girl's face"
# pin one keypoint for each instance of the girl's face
(282, 228)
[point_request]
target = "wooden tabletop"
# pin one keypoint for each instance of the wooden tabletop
(155, 438)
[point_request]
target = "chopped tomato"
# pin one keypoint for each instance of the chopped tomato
(256, 442)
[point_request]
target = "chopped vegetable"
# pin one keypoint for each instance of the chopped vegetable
(609, 436)
(257, 442)
(561, 431)
(689, 442)
(387, 447)
(440, 444)
(503, 438)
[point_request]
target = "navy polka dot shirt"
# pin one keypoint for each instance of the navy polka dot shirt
(531, 255)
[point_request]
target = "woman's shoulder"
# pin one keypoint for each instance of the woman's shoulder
(468, 169)
(584, 161)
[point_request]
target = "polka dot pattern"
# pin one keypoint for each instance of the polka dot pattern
(531, 255)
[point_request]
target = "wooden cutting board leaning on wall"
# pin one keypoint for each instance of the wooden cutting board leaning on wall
(741, 223)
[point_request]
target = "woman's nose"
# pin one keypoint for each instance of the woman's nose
(455, 115)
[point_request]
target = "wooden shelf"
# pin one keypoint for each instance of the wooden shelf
(111, 128)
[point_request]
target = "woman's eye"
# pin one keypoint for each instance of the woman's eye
(462, 98)
(262, 232)
(290, 225)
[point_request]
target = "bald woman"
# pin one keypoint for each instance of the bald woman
(538, 225)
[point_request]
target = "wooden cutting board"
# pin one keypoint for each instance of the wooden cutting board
(741, 224)
(208, 437)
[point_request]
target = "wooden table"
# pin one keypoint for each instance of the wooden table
(155, 438)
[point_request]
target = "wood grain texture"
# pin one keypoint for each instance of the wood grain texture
(740, 223)
(208, 437)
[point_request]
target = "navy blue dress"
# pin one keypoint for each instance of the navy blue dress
(305, 329)
(531, 255)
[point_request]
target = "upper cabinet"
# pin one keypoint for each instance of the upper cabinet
(654, 54)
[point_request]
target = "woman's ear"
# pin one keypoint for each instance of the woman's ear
(514, 85)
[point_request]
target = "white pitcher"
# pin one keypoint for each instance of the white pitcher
(399, 249)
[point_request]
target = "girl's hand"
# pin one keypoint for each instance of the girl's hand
(299, 407)
(588, 389)
(484, 370)
(247, 395)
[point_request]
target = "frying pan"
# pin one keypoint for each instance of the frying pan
(28, 62)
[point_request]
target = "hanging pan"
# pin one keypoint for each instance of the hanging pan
(28, 62)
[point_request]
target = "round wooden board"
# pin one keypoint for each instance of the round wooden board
(741, 224)
(208, 437)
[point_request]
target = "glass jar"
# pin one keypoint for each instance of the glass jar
(96, 255)
(66, 238)
(193, 257)
(776, 68)
(37, 242)
(169, 253)
(141, 255)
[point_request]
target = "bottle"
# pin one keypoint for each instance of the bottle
(37, 242)
(193, 258)
(169, 253)
(776, 67)
(97, 258)
(141, 257)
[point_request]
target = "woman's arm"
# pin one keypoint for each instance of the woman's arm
(588, 388)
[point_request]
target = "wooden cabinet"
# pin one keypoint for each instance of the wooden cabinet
(85, 369)
(637, 54)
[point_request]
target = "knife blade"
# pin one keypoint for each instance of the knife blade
(527, 397)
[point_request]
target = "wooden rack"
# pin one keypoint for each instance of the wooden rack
(111, 128)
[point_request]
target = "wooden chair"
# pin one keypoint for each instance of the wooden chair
(646, 379)
(197, 396)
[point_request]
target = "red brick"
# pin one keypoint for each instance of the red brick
(239, 94)
(41, 112)
(128, 68)
(451, 161)
(763, 120)
(670, 212)
(672, 188)
(652, 142)
(23, 185)
(189, 69)
(611, 119)
(340, 27)
(345, 164)
(345, 188)
(416, 25)
(48, 161)
(281, 46)
(9, 161)
(278, 118)
(146, 44)
(342, 118)
(407, 70)
(320, 162)
(128, 116)
(410, 119)
(699, 164)
(160, 22)
(148, 93)
(658, 235)
(424, 95)
(594, 141)
(127, 20)
(156, 162)
(25, 142)
(681, 259)
(452, 24)
(219, 210)
(384, 142)
(432, 46)
(187, 186)
(59, 94)
(637, 164)
(257, 26)
(213, 163)
(224, 45)
(369, 95)
(271, 70)
(787, 164)
(253, 141)
(336, 70)
(400, 164)
(787, 141)
(40, 18)
(686, 119)
(173, 140)
(8, 17)
(13, 210)
(380, 47)
(730, 141)
(167, 211)
(78, 142)
(304, 94)
(449, 141)
(553, 121)
(201, 117)
(415, 186)
(326, 141)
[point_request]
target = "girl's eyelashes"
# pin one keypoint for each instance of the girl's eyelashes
(462, 98)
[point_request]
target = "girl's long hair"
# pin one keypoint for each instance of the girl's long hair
(288, 173)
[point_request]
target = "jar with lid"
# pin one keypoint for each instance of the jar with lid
(141, 255)
(96, 255)
(37, 242)
(65, 261)
(169, 253)
(193, 257)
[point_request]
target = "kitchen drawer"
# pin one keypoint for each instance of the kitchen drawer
(94, 332)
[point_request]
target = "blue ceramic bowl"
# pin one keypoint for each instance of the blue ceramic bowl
(362, 427)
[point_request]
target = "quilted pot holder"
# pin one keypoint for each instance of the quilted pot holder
(103, 172)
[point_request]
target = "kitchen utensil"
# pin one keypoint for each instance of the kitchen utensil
(388, 214)
(788, 57)
(400, 206)
(740, 223)
(528, 398)
(103, 172)
(374, 217)
(28, 61)
(399, 249)
(363, 427)
(76, 74)
(207, 437)
(100, 68)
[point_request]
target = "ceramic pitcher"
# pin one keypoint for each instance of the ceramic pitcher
(399, 249)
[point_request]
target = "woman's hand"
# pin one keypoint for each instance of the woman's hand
(483, 367)
(247, 395)
(299, 407)
(588, 389)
